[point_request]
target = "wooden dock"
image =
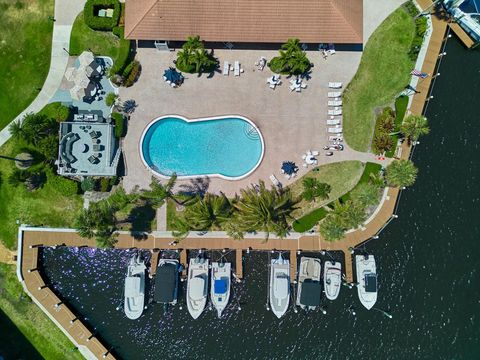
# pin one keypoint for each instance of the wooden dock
(154, 262)
(184, 261)
(462, 35)
(239, 263)
(293, 266)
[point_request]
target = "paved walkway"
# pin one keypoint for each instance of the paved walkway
(374, 12)
(65, 13)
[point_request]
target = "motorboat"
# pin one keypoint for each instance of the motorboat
(220, 286)
(197, 286)
(332, 279)
(279, 285)
(135, 288)
(309, 286)
(367, 280)
(166, 282)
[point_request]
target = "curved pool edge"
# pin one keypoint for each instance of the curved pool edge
(186, 177)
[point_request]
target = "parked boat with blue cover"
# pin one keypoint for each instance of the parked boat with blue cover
(309, 286)
(279, 285)
(367, 280)
(220, 287)
(332, 279)
(166, 281)
(135, 288)
(197, 286)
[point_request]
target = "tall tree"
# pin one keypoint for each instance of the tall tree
(158, 192)
(209, 211)
(401, 173)
(291, 60)
(264, 210)
(414, 126)
(313, 188)
(194, 58)
(98, 221)
(366, 194)
(331, 230)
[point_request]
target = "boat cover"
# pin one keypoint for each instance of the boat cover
(166, 283)
(371, 282)
(220, 286)
(280, 290)
(197, 288)
(132, 286)
(310, 295)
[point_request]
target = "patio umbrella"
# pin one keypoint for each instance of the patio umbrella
(77, 92)
(289, 167)
(81, 78)
(93, 70)
(173, 75)
(86, 58)
(91, 89)
(70, 73)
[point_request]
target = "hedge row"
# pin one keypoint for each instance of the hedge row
(123, 57)
(119, 124)
(96, 22)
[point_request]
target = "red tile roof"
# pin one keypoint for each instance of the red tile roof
(268, 21)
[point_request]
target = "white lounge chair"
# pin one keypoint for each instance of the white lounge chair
(303, 86)
(335, 103)
(335, 94)
(334, 85)
(226, 68)
(315, 153)
(236, 68)
(334, 130)
(335, 112)
(298, 89)
(293, 87)
(333, 122)
(335, 138)
(275, 181)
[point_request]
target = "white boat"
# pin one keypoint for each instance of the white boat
(332, 279)
(279, 285)
(197, 286)
(135, 288)
(367, 280)
(220, 286)
(309, 286)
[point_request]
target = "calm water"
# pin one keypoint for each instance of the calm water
(427, 259)
(229, 146)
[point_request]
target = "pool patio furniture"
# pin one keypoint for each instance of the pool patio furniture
(333, 122)
(97, 147)
(261, 63)
(303, 85)
(335, 85)
(335, 112)
(93, 159)
(102, 13)
(335, 138)
(95, 134)
(334, 94)
(335, 130)
(315, 153)
(226, 68)
(275, 181)
(335, 103)
(109, 13)
(236, 68)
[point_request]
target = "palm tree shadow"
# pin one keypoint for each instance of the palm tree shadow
(197, 186)
(141, 218)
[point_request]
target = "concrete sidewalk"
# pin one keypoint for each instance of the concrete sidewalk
(65, 13)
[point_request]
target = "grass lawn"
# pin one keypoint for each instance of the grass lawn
(384, 71)
(370, 168)
(28, 322)
(341, 176)
(308, 221)
(25, 45)
(47, 206)
(99, 42)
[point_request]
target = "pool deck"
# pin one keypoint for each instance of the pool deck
(291, 123)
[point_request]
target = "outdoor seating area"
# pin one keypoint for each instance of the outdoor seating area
(172, 77)
(309, 158)
(334, 122)
(87, 149)
(274, 81)
(297, 84)
(289, 169)
(236, 68)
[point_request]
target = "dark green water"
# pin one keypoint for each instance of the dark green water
(427, 261)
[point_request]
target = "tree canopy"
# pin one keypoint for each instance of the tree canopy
(292, 59)
(401, 173)
(194, 58)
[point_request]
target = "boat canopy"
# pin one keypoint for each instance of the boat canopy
(371, 282)
(220, 286)
(310, 295)
(166, 283)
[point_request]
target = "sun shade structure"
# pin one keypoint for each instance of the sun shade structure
(289, 167)
(172, 75)
(249, 21)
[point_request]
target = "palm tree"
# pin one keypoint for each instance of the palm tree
(331, 230)
(194, 58)
(98, 221)
(158, 192)
(292, 59)
(401, 173)
(313, 188)
(365, 194)
(182, 228)
(413, 127)
(265, 210)
(376, 179)
(209, 211)
(16, 129)
(106, 238)
(348, 215)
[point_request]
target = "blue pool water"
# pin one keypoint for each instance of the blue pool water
(228, 146)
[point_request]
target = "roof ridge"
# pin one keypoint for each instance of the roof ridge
(342, 14)
(147, 11)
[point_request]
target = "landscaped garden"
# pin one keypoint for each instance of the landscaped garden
(383, 73)
(25, 44)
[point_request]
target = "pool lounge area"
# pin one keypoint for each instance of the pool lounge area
(229, 147)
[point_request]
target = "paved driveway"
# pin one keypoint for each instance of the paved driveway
(290, 122)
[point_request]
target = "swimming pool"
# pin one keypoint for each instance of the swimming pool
(229, 147)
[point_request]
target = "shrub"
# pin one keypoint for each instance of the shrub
(384, 125)
(88, 184)
(105, 184)
(110, 99)
(56, 111)
(90, 14)
(119, 124)
(64, 186)
(48, 147)
(420, 29)
(411, 9)
(134, 69)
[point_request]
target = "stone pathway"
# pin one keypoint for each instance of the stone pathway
(162, 218)
(65, 13)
